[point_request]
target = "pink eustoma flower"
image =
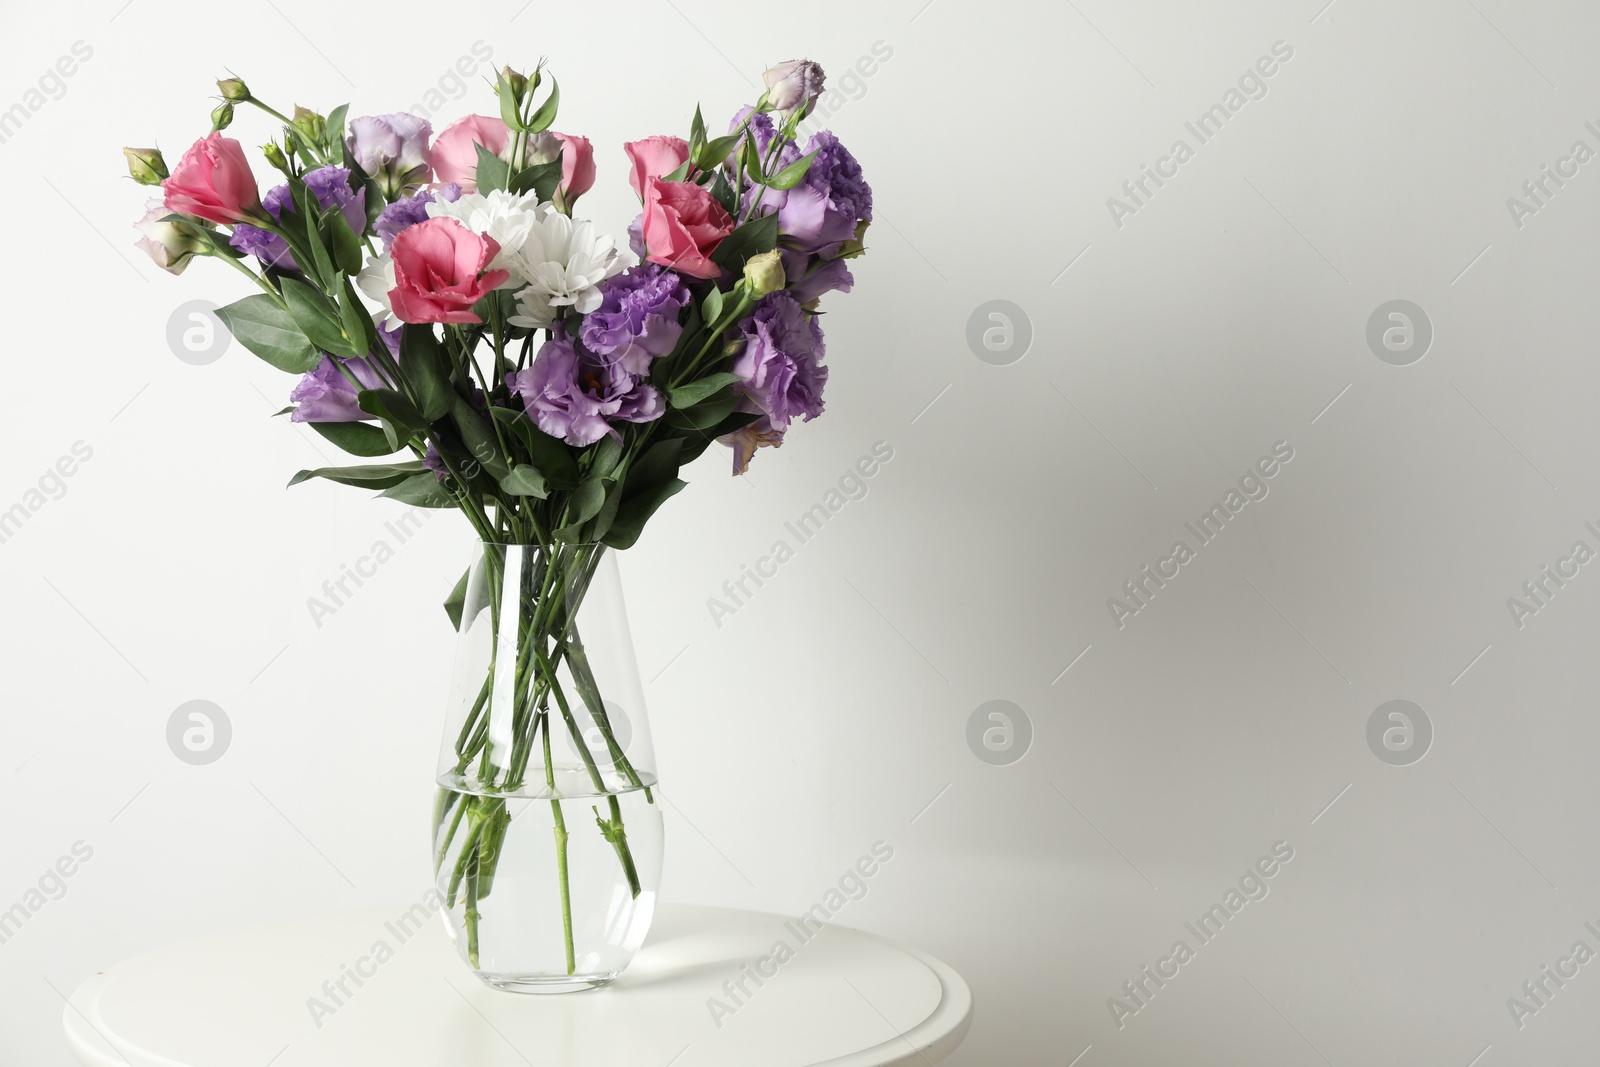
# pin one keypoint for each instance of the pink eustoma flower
(213, 181)
(439, 272)
(683, 224)
(654, 157)
(455, 157)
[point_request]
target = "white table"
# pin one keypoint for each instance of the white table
(242, 999)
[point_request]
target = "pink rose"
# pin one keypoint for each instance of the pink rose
(683, 224)
(577, 168)
(455, 157)
(213, 181)
(439, 272)
(654, 157)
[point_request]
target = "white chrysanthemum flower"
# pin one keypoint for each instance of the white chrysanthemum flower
(507, 217)
(375, 280)
(563, 261)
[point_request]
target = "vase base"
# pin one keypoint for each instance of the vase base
(546, 984)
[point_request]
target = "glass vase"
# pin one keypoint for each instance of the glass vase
(547, 835)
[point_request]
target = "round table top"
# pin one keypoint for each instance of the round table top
(257, 997)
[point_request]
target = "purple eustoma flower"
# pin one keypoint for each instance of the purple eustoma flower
(411, 210)
(782, 372)
(637, 319)
(576, 395)
(781, 365)
(812, 276)
(392, 149)
(823, 211)
(326, 395)
(331, 187)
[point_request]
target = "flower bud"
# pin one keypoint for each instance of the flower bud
(763, 274)
(168, 244)
(517, 83)
(222, 117)
(275, 156)
(146, 165)
(234, 90)
(312, 126)
(793, 86)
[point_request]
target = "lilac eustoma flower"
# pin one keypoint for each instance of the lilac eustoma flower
(637, 320)
(393, 150)
(574, 394)
(326, 395)
(331, 187)
(781, 365)
(824, 210)
(410, 210)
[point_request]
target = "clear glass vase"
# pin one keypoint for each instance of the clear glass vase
(547, 835)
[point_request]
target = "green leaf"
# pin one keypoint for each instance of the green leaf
(422, 491)
(704, 415)
(322, 262)
(793, 174)
(695, 444)
(711, 308)
(508, 103)
(492, 171)
(258, 323)
(715, 152)
(687, 396)
(680, 174)
(427, 369)
(724, 192)
(586, 501)
(478, 436)
(376, 476)
(602, 521)
(525, 481)
(318, 319)
(344, 242)
(542, 118)
(401, 419)
(658, 464)
(336, 128)
(547, 453)
(356, 320)
(697, 131)
(356, 438)
(456, 602)
(607, 454)
(541, 178)
(632, 516)
(754, 237)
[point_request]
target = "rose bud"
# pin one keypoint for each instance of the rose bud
(146, 165)
(233, 90)
(222, 117)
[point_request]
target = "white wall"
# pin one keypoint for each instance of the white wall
(1178, 348)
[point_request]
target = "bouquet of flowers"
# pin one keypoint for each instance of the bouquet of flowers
(448, 314)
